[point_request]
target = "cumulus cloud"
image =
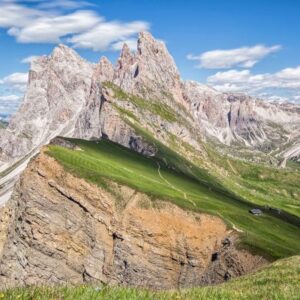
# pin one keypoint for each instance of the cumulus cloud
(80, 28)
(67, 4)
(12, 88)
(287, 80)
(9, 98)
(12, 14)
(244, 57)
(29, 59)
(8, 105)
(131, 43)
(106, 34)
(15, 81)
(50, 29)
(296, 97)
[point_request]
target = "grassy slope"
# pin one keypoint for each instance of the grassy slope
(260, 183)
(278, 281)
(255, 182)
(97, 161)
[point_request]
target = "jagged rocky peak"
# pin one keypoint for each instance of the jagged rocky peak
(157, 66)
(154, 54)
(63, 52)
(104, 70)
(151, 68)
(124, 73)
(126, 57)
(59, 86)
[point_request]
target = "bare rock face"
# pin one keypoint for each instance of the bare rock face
(61, 229)
(237, 118)
(104, 70)
(58, 88)
(150, 71)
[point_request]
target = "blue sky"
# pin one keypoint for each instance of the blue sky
(248, 46)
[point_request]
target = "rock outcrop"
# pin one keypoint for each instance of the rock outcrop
(60, 229)
(59, 87)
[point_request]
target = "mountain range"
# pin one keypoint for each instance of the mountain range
(192, 158)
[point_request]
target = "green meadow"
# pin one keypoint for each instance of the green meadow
(178, 181)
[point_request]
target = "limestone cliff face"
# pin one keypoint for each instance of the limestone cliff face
(60, 229)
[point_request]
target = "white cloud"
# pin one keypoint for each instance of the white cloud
(244, 57)
(29, 59)
(286, 81)
(290, 73)
(296, 97)
(229, 76)
(12, 14)
(50, 29)
(287, 78)
(15, 81)
(9, 105)
(67, 4)
(131, 43)
(80, 28)
(9, 98)
(106, 34)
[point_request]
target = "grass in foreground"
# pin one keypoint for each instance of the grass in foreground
(278, 281)
(105, 160)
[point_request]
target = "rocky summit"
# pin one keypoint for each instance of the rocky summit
(126, 174)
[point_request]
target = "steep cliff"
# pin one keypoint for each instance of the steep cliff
(58, 228)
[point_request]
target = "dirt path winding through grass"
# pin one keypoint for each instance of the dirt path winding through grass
(231, 167)
(173, 187)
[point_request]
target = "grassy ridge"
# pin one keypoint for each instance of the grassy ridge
(267, 234)
(278, 281)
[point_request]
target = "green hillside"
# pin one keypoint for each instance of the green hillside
(185, 185)
(278, 281)
(259, 183)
